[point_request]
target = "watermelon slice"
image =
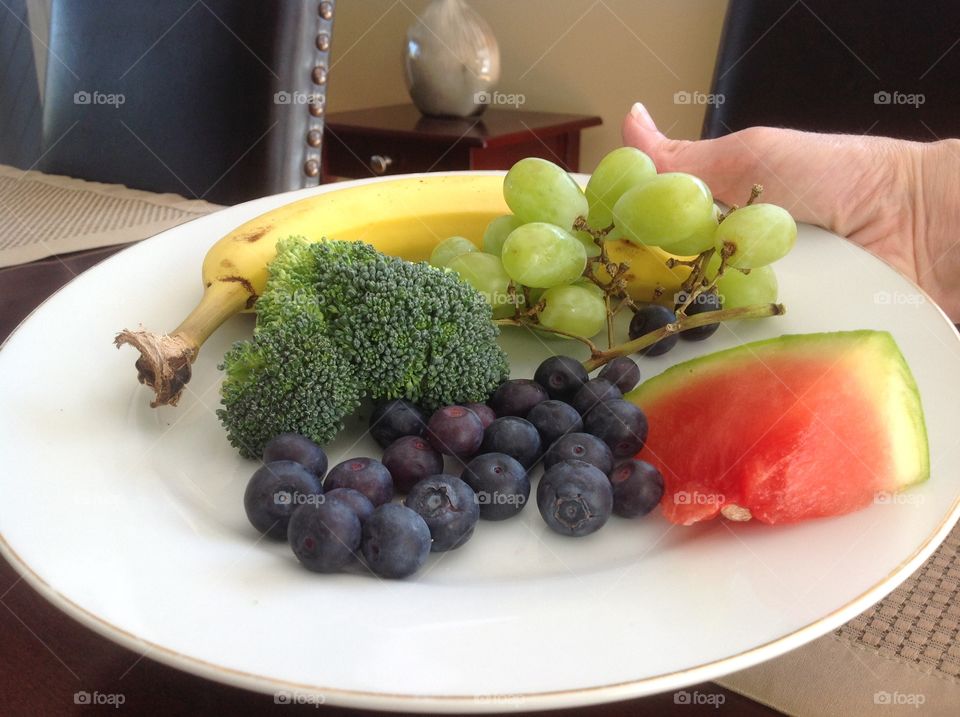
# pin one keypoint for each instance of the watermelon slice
(786, 429)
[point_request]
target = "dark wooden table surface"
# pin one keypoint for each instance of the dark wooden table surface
(398, 139)
(46, 658)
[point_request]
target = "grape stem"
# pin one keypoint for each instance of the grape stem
(755, 191)
(598, 357)
(698, 283)
(758, 311)
(529, 323)
(615, 287)
(606, 302)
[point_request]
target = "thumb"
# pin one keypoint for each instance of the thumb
(709, 159)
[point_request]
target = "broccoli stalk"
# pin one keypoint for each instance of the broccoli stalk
(339, 321)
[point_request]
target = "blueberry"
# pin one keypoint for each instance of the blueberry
(483, 411)
(620, 424)
(395, 419)
(449, 507)
(501, 485)
(574, 498)
(275, 491)
(455, 431)
(553, 419)
(561, 376)
(704, 302)
(324, 536)
(582, 447)
(637, 488)
(294, 447)
(366, 475)
(593, 392)
(410, 459)
(650, 318)
(516, 437)
(353, 499)
(516, 397)
(622, 372)
(395, 541)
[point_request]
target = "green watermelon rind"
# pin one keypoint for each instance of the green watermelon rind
(663, 383)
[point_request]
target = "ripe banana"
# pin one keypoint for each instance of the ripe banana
(405, 218)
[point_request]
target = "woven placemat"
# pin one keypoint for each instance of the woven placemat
(902, 656)
(919, 622)
(43, 215)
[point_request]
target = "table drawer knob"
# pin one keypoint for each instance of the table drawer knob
(380, 163)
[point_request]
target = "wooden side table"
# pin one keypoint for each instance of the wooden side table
(398, 140)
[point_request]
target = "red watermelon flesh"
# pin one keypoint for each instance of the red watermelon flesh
(785, 429)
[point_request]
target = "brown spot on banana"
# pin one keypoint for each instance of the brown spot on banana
(245, 283)
(254, 236)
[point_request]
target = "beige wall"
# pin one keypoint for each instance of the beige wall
(582, 56)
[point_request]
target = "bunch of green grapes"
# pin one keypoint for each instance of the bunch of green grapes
(675, 211)
(537, 255)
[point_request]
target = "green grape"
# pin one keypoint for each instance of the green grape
(497, 232)
(622, 169)
(574, 310)
(484, 272)
(664, 210)
(698, 242)
(543, 255)
(534, 294)
(738, 289)
(760, 233)
(589, 245)
(450, 249)
(539, 191)
(590, 286)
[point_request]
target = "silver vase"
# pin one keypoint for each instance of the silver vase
(452, 60)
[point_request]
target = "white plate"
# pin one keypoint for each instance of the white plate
(130, 520)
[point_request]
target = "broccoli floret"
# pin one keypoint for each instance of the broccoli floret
(340, 320)
(290, 377)
(292, 279)
(413, 330)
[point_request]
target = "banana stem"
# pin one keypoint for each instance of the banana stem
(221, 300)
(165, 359)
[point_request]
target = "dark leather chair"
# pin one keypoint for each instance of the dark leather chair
(220, 99)
(884, 67)
(20, 108)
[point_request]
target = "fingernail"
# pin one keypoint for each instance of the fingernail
(639, 113)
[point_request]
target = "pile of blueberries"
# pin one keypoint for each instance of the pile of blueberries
(582, 430)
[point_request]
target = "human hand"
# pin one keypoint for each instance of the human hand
(900, 200)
